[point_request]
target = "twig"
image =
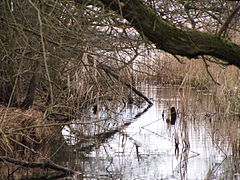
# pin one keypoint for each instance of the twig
(206, 65)
(178, 59)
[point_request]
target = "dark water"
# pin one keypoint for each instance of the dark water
(146, 149)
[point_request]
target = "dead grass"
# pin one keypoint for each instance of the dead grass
(25, 142)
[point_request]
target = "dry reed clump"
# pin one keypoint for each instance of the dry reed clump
(166, 69)
(16, 136)
(221, 81)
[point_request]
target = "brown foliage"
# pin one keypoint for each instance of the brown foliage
(25, 142)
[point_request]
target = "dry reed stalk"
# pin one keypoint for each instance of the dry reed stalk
(221, 126)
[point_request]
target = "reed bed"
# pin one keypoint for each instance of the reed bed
(221, 81)
(199, 113)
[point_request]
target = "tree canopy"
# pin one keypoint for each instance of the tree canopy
(167, 37)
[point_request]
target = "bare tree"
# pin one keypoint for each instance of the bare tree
(170, 38)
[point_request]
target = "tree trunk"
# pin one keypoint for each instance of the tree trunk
(167, 37)
(29, 99)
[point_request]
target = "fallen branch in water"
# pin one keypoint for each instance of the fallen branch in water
(102, 137)
(109, 71)
(112, 73)
(43, 165)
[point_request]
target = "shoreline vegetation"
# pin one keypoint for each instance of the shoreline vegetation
(62, 61)
(27, 130)
(218, 80)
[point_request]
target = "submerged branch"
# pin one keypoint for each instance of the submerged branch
(103, 136)
(43, 165)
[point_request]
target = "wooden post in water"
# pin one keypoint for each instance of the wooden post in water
(173, 115)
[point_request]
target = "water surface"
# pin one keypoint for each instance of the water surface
(146, 149)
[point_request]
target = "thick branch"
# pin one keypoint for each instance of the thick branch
(171, 39)
(228, 21)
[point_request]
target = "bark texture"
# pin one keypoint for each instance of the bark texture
(173, 40)
(29, 99)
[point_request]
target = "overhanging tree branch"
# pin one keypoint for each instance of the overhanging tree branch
(173, 40)
(228, 21)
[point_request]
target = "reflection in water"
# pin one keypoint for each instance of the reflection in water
(196, 147)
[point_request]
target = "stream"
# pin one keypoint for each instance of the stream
(149, 148)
